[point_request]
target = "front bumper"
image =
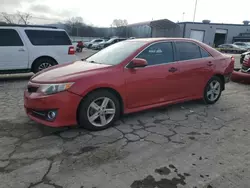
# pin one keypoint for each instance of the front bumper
(245, 69)
(64, 103)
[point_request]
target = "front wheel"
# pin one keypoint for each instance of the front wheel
(212, 91)
(99, 110)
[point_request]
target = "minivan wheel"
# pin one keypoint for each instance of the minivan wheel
(42, 64)
(212, 91)
(99, 110)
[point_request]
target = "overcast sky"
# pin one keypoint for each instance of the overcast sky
(102, 12)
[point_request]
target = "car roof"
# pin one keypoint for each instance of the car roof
(151, 40)
(31, 28)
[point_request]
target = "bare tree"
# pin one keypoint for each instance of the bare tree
(121, 27)
(119, 23)
(8, 18)
(23, 18)
(18, 18)
(74, 24)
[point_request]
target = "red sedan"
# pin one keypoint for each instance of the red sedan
(127, 77)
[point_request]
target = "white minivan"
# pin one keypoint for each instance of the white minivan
(34, 48)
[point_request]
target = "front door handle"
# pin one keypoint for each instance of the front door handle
(21, 50)
(172, 69)
(209, 64)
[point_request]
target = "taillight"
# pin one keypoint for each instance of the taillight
(231, 65)
(71, 50)
(233, 59)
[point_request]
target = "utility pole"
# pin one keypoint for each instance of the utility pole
(195, 10)
(183, 15)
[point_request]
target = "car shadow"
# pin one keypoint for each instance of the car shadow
(15, 77)
(46, 131)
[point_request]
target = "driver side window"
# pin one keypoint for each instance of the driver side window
(159, 53)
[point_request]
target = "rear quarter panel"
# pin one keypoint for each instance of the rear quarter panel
(224, 65)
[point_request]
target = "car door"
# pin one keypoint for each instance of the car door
(151, 84)
(195, 67)
(13, 53)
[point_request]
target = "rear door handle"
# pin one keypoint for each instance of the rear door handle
(172, 69)
(21, 50)
(209, 64)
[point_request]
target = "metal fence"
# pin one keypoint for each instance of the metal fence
(84, 39)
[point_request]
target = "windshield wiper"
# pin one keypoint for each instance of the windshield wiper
(94, 62)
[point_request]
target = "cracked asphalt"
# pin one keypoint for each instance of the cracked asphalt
(185, 145)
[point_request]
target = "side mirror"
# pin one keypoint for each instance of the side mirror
(137, 62)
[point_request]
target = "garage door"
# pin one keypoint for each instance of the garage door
(221, 31)
(197, 35)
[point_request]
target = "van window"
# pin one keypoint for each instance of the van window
(10, 37)
(47, 38)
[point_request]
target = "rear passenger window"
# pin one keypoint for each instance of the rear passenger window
(188, 51)
(158, 53)
(204, 53)
(46, 38)
(10, 37)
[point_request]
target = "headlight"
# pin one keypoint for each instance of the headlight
(54, 88)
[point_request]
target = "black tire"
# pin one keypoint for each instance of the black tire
(83, 119)
(38, 63)
(208, 100)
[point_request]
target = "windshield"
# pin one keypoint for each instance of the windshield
(116, 53)
(94, 40)
(110, 40)
(235, 46)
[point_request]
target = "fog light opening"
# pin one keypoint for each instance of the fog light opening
(51, 115)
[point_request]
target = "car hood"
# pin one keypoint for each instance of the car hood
(67, 72)
(246, 53)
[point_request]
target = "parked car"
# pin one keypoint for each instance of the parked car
(94, 41)
(126, 77)
(246, 64)
(109, 42)
(245, 45)
(242, 75)
(231, 48)
(242, 57)
(96, 44)
(33, 48)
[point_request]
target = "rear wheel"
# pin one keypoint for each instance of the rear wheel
(42, 64)
(212, 91)
(99, 110)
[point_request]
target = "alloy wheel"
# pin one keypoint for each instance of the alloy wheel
(214, 90)
(44, 66)
(101, 111)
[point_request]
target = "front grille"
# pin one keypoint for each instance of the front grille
(32, 89)
(40, 114)
(245, 69)
(43, 114)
